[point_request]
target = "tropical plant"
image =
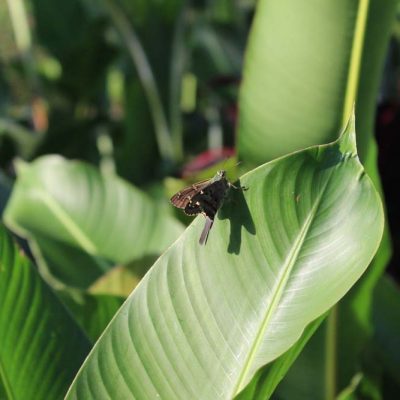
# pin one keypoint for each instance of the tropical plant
(105, 291)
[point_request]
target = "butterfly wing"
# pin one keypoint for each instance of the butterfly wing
(209, 199)
(205, 197)
(193, 207)
(183, 198)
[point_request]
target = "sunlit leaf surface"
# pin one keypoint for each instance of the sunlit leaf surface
(82, 220)
(206, 318)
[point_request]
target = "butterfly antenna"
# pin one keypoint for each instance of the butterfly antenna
(206, 230)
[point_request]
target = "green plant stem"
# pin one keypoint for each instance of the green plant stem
(20, 25)
(350, 97)
(147, 79)
(177, 67)
(19, 21)
(355, 59)
(330, 357)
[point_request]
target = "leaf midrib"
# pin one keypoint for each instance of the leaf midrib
(69, 224)
(287, 269)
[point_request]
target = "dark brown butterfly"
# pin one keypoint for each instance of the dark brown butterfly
(205, 197)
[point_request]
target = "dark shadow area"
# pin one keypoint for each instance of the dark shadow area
(388, 138)
(328, 157)
(237, 211)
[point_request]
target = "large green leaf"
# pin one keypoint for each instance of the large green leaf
(267, 379)
(334, 355)
(306, 64)
(205, 319)
(41, 346)
(79, 218)
(295, 76)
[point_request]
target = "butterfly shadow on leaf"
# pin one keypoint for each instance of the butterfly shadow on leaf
(236, 210)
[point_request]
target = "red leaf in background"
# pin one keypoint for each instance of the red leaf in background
(207, 159)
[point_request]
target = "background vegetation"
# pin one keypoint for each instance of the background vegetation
(109, 107)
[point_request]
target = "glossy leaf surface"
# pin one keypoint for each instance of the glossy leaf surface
(306, 64)
(41, 346)
(81, 219)
(206, 318)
